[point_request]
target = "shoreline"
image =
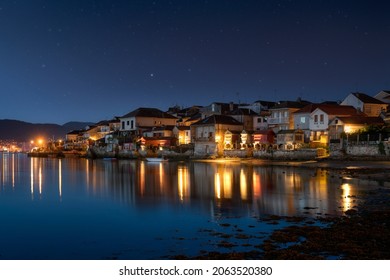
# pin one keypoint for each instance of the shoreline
(360, 234)
(368, 167)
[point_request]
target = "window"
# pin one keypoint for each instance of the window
(123, 125)
(322, 118)
(259, 120)
(303, 120)
(298, 138)
(315, 118)
(127, 123)
(132, 124)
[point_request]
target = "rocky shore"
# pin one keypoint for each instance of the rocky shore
(360, 234)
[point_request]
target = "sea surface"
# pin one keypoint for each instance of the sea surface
(75, 209)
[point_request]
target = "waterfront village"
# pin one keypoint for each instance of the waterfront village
(359, 125)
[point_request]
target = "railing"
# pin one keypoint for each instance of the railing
(365, 138)
(278, 120)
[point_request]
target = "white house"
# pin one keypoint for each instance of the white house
(351, 124)
(321, 117)
(142, 119)
(383, 96)
(302, 120)
(369, 105)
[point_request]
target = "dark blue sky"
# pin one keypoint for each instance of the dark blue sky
(91, 60)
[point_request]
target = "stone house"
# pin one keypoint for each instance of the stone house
(209, 133)
(289, 139)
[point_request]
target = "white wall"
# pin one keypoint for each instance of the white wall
(127, 122)
(353, 101)
(302, 121)
(320, 124)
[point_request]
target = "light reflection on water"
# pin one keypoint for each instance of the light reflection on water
(87, 209)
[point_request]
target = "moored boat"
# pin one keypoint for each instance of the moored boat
(156, 159)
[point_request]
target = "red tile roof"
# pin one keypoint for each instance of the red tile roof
(330, 109)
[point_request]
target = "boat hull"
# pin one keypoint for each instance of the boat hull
(156, 159)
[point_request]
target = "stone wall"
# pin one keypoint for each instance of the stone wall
(238, 153)
(362, 150)
(336, 150)
(205, 149)
(371, 149)
(101, 152)
(302, 154)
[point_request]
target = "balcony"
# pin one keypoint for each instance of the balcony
(278, 120)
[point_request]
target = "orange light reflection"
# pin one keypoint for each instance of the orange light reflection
(346, 196)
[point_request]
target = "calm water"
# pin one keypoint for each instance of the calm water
(96, 209)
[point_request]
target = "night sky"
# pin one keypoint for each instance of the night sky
(78, 60)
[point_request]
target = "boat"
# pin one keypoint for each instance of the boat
(156, 159)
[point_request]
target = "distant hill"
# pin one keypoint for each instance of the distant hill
(23, 131)
(76, 125)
